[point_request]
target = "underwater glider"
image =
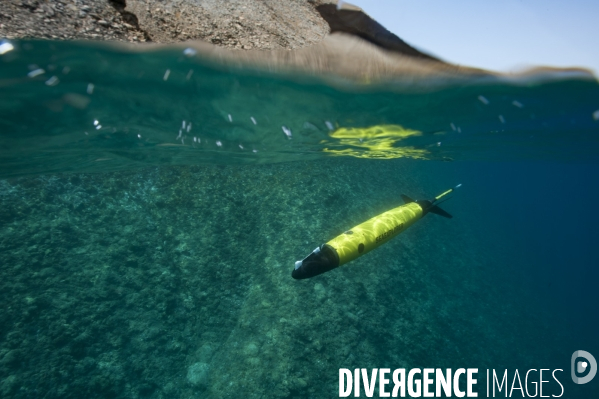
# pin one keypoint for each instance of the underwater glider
(367, 236)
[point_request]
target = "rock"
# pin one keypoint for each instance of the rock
(205, 353)
(320, 291)
(197, 374)
(48, 10)
(12, 357)
(351, 19)
(8, 386)
(251, 349)
(30, 4)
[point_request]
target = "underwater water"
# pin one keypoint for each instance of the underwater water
(152, 206)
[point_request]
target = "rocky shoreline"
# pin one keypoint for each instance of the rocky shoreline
(62, 20)
(244, 24)
(326, 36)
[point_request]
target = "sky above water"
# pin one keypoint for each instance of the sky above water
(506, 35)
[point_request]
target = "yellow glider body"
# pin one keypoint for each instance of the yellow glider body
(366, 236)
(374, 232)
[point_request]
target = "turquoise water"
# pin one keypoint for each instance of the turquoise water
(139, 262)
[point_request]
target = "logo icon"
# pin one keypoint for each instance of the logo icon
(589, 363)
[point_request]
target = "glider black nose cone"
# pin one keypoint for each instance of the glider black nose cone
(320, 261)
(306, 270)
(298, 273)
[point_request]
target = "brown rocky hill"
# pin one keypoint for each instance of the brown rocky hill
(242, 24)
(239, 24)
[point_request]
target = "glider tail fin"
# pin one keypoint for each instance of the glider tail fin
(438, 211)
(429, 206)
(406, 199)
